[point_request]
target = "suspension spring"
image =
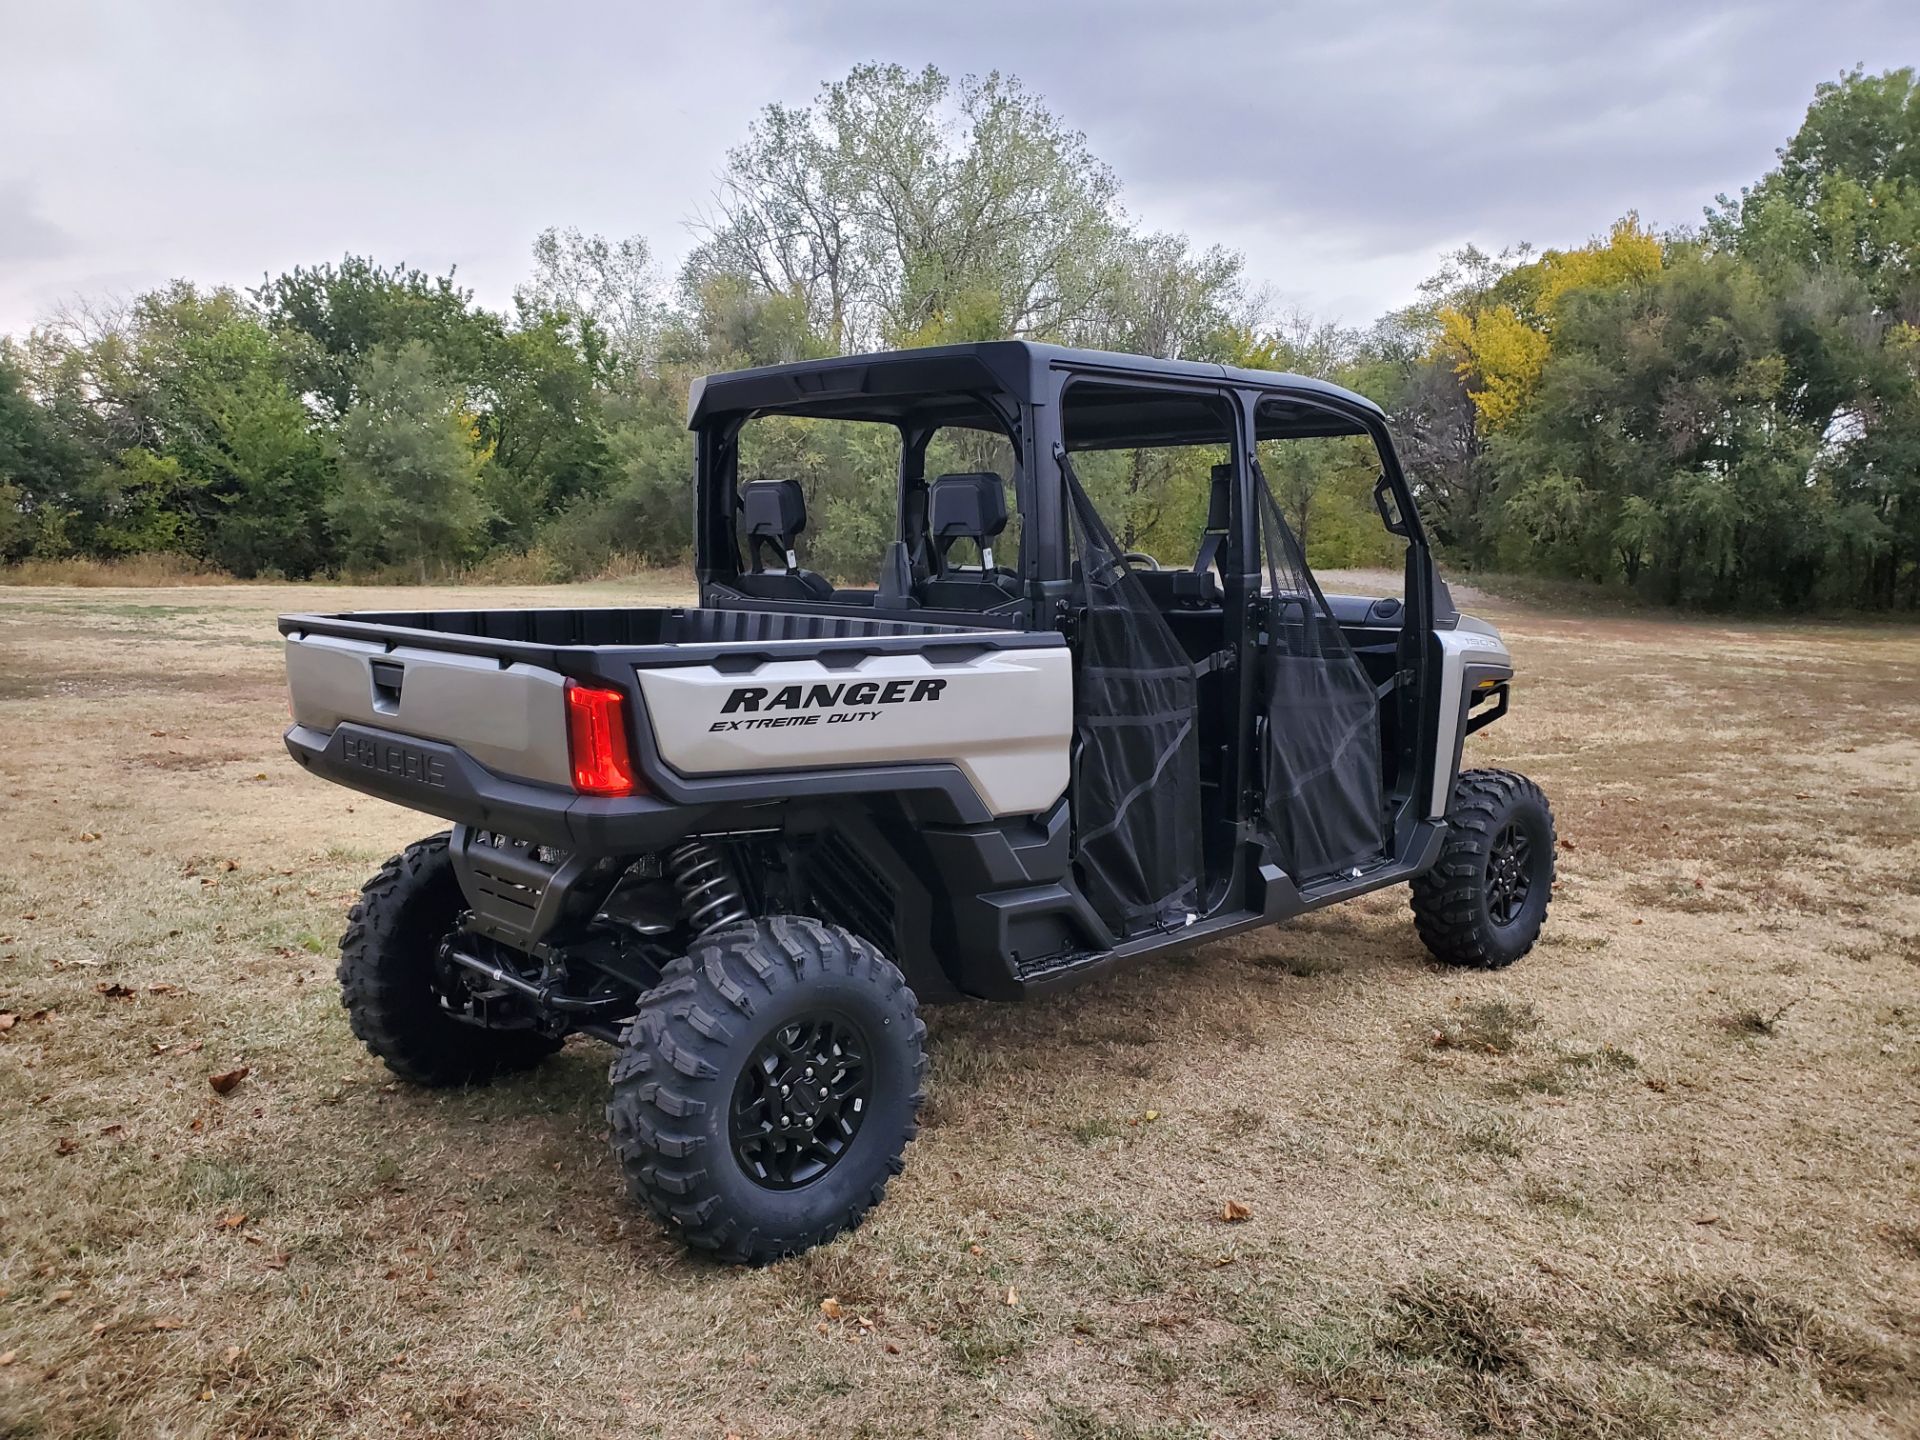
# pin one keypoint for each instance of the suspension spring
(709, 894)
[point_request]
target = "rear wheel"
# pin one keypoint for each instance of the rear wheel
(400, 999)
(1483, 904)
(767, 1088)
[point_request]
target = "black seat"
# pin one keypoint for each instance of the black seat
(967, 507)
(774, 513)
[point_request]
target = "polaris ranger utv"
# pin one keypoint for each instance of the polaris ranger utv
(741, 842)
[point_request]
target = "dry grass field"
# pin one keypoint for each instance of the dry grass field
(1660, 1179)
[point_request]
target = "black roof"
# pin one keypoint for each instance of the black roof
(943, 385)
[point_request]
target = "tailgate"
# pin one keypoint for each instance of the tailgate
(511, 719)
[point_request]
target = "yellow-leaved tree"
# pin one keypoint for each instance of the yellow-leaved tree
(1500, 345)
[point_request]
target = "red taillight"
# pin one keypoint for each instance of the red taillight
(597, 736)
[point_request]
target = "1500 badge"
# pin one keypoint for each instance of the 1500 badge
(843, 704)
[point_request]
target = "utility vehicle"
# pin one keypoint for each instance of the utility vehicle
(741, 842)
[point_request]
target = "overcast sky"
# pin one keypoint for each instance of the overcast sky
(1343, 148)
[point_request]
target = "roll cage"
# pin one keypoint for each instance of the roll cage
(1014, 388)
(1021, 390)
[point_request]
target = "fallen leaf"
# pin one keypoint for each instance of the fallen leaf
(1153, 1114)
(88, 836)
(1707, 1217)
(233, 1221)
(113, 1129)
(1566, 844)
(892, 1349)
(976, 1250)
(65, 1145)
(1233, 1212)
(169, 1322)
(224, 1082)
(9, 1357)
(576, 1313)
(830, 1308)
(162, 987)
(61, 1297)
(114, 991)
(1013, 1296)
(231, 1354)
(277, 1262)
(8, 1020)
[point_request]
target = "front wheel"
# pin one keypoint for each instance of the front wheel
(1483, 904)
(767, 1088)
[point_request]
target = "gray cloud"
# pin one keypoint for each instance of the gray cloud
(1341, 147)
(1338, 135)
(26, 234)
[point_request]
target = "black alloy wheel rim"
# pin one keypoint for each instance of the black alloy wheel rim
(1509, 874)
(799, 1101)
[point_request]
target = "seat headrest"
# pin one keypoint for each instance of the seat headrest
(774, 510)
(967, 507)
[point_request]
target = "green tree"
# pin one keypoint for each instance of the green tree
(1835, 226)
(333, 317)
(193, 379)
(1845, 195)
(538, 413)
(409, 472)
(605, 295)
(143, 504)
(39, 467)
(903, 208)
(224, 410)
(645, 506)
(1663, 446)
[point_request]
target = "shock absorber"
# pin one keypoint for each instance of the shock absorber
(709, 894)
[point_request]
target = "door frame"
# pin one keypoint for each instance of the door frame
(1419, 708)
(1226, 881)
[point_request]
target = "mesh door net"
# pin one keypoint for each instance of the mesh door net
(1324, 807)
(1137, 775)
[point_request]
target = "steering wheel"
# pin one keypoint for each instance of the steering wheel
(1123, 565)
(1120, 565)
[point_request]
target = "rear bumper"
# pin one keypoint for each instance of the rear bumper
(445, 781)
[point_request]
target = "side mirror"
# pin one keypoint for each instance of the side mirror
(1388, 504)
